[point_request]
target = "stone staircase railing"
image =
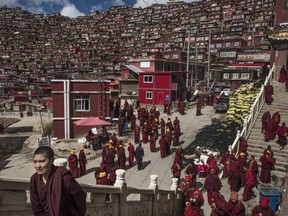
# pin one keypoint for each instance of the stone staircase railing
(254, 112)
(15, 199)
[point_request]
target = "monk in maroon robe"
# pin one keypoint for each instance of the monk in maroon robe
(263, 208)
(73, 164)
(268, 151)
(243, 145)
(82, 162)
(211, 162)
(212, 184)
(176, 169)
(248, 186)
(103, 180)
(152, 142)
(192, 171)
(137, 134)
(121, 157)
(167, 141)
(268, 91)
(270, 130)
(162, 146)
(234, 176)
(235, 206)
(267, 164)
(169, 126)
(181, 108)
(101, 168)
(283, 75)
(219, 205)
(179, 154)
(110, 159)
(282, 132)
(53, 188)
(112, 175)
(196, 200)
(225, 161)
(131, 151)
(198, 108)
(265, 119)
(145, 131)
(242, 161)
(133, 122)
(252, 164)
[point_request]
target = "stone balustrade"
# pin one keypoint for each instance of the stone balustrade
(123, 200)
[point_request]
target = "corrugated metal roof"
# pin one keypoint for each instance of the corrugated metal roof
(133, 68)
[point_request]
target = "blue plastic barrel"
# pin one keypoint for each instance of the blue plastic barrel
(273, 193)
(126, 125)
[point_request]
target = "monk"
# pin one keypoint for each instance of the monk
(198, 108)
(242, 161)
(162, 146)
(282, 132)
(235, 206)
(176, 169)
(53, 188)
(248, 185)
(243, 145)
(277, 117)
(270, 130)
(167, 141)
(103, 180)
(212, 184)
(82, 162)
(162, 126)
(179, 154)
(73, 164)
(137, 134)
(211, 162)
(263, 208)
(145, 132)
(267, 164)
(152, 142)
(219, 205)
(225, 161)
(265, 119)
(101, 168)
(131, 152)
(139, 154)
(112, 175)
(234, 176)
(121, 157)
(181, 108)
(253, 165)
(133, 122)
(110, 159)
(192, 171)
(268, 91)
(196, 200)
(283, 75)
(269, 151)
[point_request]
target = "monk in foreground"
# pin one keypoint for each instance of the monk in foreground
(53, 190)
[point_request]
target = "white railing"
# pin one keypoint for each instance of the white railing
(254, 112)
(15, 198)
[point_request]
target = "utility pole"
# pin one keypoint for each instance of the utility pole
(188, 58)
(196, 71)
(209, 56)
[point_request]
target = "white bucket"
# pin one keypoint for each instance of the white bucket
(60, 162)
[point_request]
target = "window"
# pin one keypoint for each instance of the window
(82, 103)
(149, 95)
(244, 75)
(235, 76)
(236, 44)
(218, 45)
(148, 78)
(226, 76)
(228, 44)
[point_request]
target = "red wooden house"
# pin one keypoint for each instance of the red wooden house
(158, 88)
(77, 99)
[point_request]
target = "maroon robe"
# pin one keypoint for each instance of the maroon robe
(211, 163)
(167, 143)
(192, 171)
(152, 142)
(225, 161)
(270, 132)
(277, 118)
(265, 119)
(252, 164)
(104, 153)
(176, 169)
(162, 146)
(196, 200)
(121, 158)
(162, 126)
(137, 134)
(249, 184)
(198, 108)
(243, 145)
(73, 165)
(234, 176)
(236, 209)
(266, 167)
(82, 163)
(131, 151)
(282, 132)
(242, 161)
(133, 122)
(145, 131)
(221, 206)
(212, 184)
(268, 91)
(112, 176)
(264, 211)
(283, 75)
(110, 160)
(181, 108)
(46, 199)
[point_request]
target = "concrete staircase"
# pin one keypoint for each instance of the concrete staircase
(256, 144)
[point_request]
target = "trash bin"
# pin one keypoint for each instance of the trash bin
(186, 103)
(274, 195)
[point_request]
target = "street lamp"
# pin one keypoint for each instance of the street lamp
(188, 57)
